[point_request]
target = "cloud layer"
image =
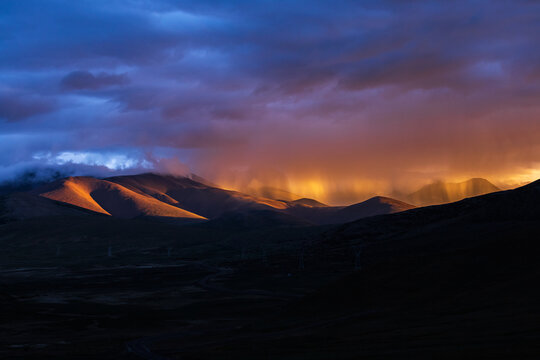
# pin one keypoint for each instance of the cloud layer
(326, 98)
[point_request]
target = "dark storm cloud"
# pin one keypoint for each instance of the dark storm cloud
(15, 106)
(359, 89)
(79, 80)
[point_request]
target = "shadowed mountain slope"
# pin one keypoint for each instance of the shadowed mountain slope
(20, 206)
(441, 192)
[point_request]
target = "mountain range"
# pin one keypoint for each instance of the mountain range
(186, 200)
(192, 199)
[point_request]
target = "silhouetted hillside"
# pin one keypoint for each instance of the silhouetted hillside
(434, 277)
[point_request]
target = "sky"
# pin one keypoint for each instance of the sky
(336, 100)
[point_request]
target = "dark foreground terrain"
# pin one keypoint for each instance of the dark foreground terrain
(450, 281)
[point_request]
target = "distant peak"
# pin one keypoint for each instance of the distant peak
(380, 198)
(386, 200)
(440, 192)
(309, 202)
(480, 180)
